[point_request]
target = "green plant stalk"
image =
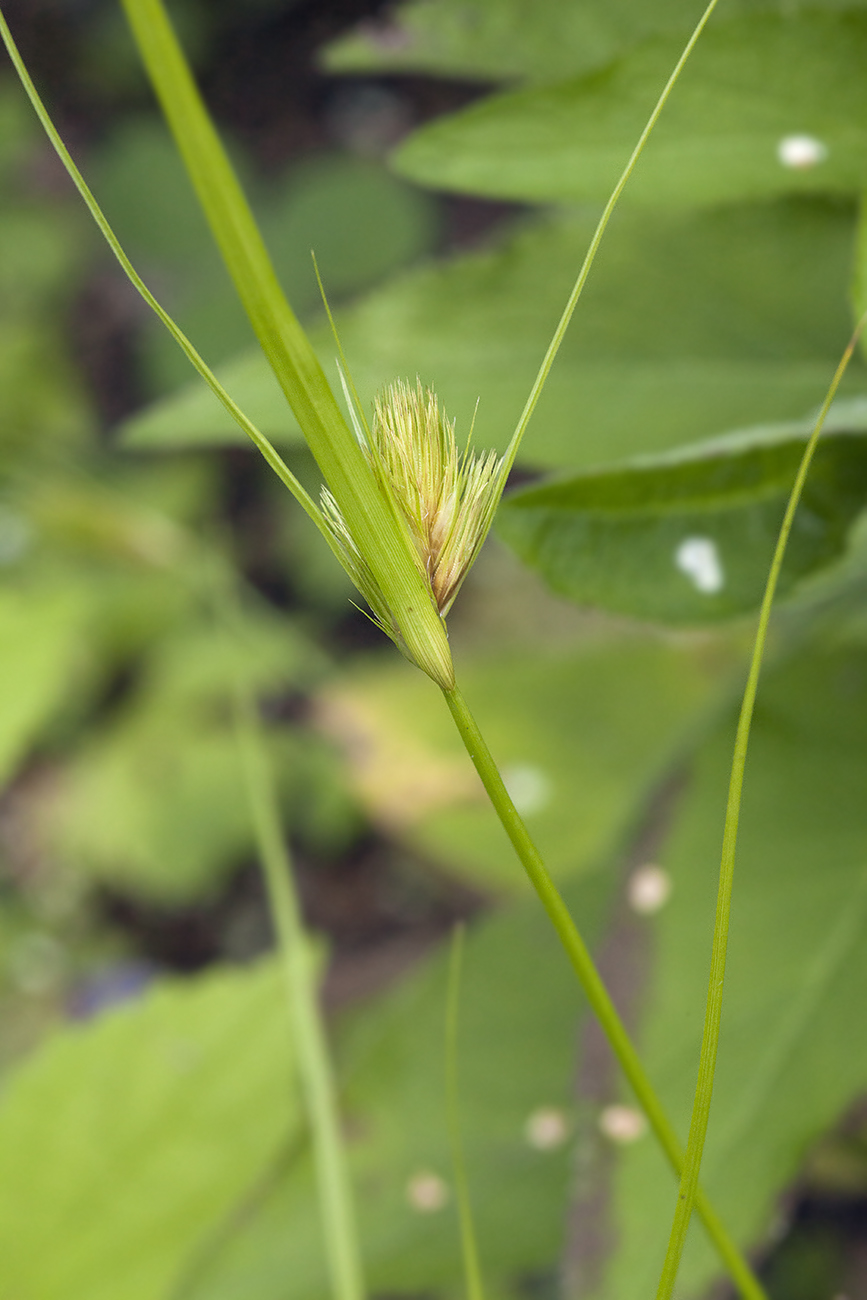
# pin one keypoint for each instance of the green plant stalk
(687, 1193)
(594, 989)
(335, 1193)
(380, 533)
(472, 1267)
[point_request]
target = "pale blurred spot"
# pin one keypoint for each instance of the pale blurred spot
(801, 152)
(622, 1124)
(427, 1192)
(528, 786)
(698, 558)
(398, 778)
(546, 1129)
(649, 889)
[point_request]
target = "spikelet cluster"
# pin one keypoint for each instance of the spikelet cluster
(445, 498)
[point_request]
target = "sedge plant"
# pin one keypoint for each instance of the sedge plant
(406, 513)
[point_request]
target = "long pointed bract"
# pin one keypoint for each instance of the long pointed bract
(290, 354)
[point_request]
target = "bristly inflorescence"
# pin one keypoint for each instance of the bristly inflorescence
(446, 498)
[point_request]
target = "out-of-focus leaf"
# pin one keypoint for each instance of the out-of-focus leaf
(501, 39)
(689, 325)
(582, 736)
(192, 417)
(158, 808)
(689, 536)
(124, 1142)
(156, 802)
(859, 278)
(360, 219)
(41, 643)
(508, 39)
(519, 1011)
(41, 248)
(752, 84)
(789, 1063)
(40, 398)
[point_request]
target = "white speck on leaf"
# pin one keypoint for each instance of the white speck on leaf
(699, 559)
(546, 1129)
(648, 889)
(622, 1124)
(801, 152)
(427, 1192)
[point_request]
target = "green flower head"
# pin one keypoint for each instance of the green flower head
(444, 498)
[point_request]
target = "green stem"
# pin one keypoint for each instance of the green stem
(472, 1267)
(317, 1083)
(687, 1194)
(591, 982)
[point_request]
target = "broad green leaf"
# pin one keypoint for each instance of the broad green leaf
(518, 1017)
(690, 324)
(790, 1058)
(125, 1141)
(41, 647)
(582, 735)
(689, 536)
(502, 39)
(509, 39)
(752, 84)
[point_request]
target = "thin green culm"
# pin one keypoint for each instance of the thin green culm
(299, 966)
(469, 1242)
